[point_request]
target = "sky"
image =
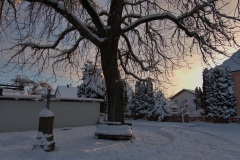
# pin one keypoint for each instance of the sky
(188, 78)
(183, 78)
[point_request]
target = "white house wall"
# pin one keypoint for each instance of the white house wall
(23, 115)
(185, 96)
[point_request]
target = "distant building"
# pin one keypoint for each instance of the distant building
(233, 64)
(184, 97)
(66, 92)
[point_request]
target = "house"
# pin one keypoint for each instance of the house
(184, 97)
(66, 92)
(233, 64)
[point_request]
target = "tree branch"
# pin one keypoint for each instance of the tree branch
(131, 15)
(77, 23)
(69, 51)
(94, 15)
(167, 16)
(50, 46)
(130, 53)
(127, 2)
(1, 8)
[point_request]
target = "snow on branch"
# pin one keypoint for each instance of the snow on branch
(145, 19)
(127, 2)
(131, 15)
(204, 22)
(167, 15)
(76, 22)
(103, 12)
(196, 9)
(94, 15)
(49, 46)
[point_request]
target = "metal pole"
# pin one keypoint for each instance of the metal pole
(48, 98)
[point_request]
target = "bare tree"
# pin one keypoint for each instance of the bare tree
(135, 36)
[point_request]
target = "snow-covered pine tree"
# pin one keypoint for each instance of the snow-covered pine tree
(93, 85)
(139, 99)
(128, 95)
(220, 99)
(198, 98)
(160, 109)
(201, 97)
(143, 100)
(207, 89)
(149, 94)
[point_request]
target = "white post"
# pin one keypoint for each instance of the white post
(182, 114)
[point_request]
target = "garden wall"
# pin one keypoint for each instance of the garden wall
(22, 115)
(188, 119)
(203, 119)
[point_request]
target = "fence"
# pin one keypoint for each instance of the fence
(22, 115)
(188, 119)
(204, 119)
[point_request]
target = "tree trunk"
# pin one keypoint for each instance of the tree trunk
(111, 72)
(114, 84)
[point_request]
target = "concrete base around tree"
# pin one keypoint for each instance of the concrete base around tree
(24, 115)
(114, 131)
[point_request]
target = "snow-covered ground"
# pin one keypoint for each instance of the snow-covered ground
(153, 141)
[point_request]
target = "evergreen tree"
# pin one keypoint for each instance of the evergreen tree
(207, 88)
(198, 98)
(143, 100)
(160, 108)
(149, 95)
(201, 97)
(220, 100)
(93, 85)
(128, 95)
(138, 99)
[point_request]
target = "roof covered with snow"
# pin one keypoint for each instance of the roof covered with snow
(233, 63)
(67, 92)
(183, 90)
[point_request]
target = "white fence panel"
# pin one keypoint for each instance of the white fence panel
(23, 115)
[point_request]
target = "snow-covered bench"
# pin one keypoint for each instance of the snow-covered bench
(114, 131)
